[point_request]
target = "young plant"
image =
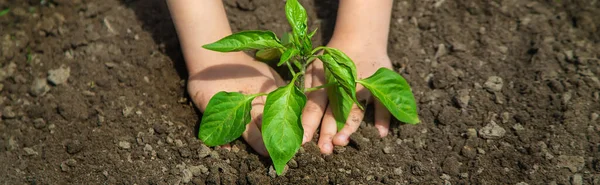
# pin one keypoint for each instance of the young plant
(227, 113)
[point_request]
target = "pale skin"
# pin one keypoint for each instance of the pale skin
(361, 32)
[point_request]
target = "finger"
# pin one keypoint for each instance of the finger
(309, 76)
(252, 135)
(315, 106)
(312, 113)
(278, 80)
(226, 147)
(328, 130)
(254, 139)
(258, 106)
(355, 117)
(382, 119)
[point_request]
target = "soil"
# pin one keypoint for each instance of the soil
(93, 92)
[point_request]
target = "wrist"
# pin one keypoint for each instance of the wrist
(355, 46)
(206, 59)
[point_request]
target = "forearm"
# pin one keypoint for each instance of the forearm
(199, 23)
(364, 23)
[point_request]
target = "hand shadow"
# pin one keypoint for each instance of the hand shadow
(232, 72)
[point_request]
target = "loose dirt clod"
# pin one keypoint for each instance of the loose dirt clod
(492, 131)
(124, 145)
(59, 76)
(493, 84)
(39, 87)
(573, 163)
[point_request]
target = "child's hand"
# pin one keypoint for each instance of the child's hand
(236, 72)
(367, 62)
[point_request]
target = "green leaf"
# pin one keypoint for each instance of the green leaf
(4, 12)
(282, 127)
(268, 55)
(287, 55)
(287, 38)
(394, 93)
(225, 117)
(339, 101)
(344, 75)
(296, 16)
(342, 59)
(245, 40)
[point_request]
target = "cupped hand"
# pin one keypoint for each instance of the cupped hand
(235, 72)
(317, 113)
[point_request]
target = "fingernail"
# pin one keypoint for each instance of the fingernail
(343, 138)
(304, 139)
(327, 148)
(382, 131)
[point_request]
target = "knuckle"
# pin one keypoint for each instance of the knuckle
(313, 108)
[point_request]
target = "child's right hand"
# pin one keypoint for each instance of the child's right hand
(235, 72)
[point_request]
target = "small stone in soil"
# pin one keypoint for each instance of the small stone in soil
(159, 128)
(468, 152)
(398, 171)
(39, 87)
(110, 65)
(462, 98)
(445, 177)
(187, 176)
(74, 147)
(178, 143)
(480, 151)
(71, 162)
(492, 131)
(518, 127)
(594, 116)
(30, 151)
(198, 170)
(471, 133)
(577, 179)
(573, 163)
(59, 76)
(388, 150)
(458, 47)
(203, 151)
(8, 113)
(39, 123)
(147, 148)
(64, 167)
(124, 145)
(184, 152)
(293, 163)
(214, 155)
(493, 84)
(441, 51)
(12, 144)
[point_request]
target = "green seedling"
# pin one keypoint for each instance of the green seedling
(4, 12)
(228, 113)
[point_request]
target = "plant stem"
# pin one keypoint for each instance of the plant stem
(318, 87)
(317, 49)
(303, 61)
(290, 68)
(261, 94)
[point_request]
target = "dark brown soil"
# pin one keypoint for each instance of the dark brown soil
(508, 93)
